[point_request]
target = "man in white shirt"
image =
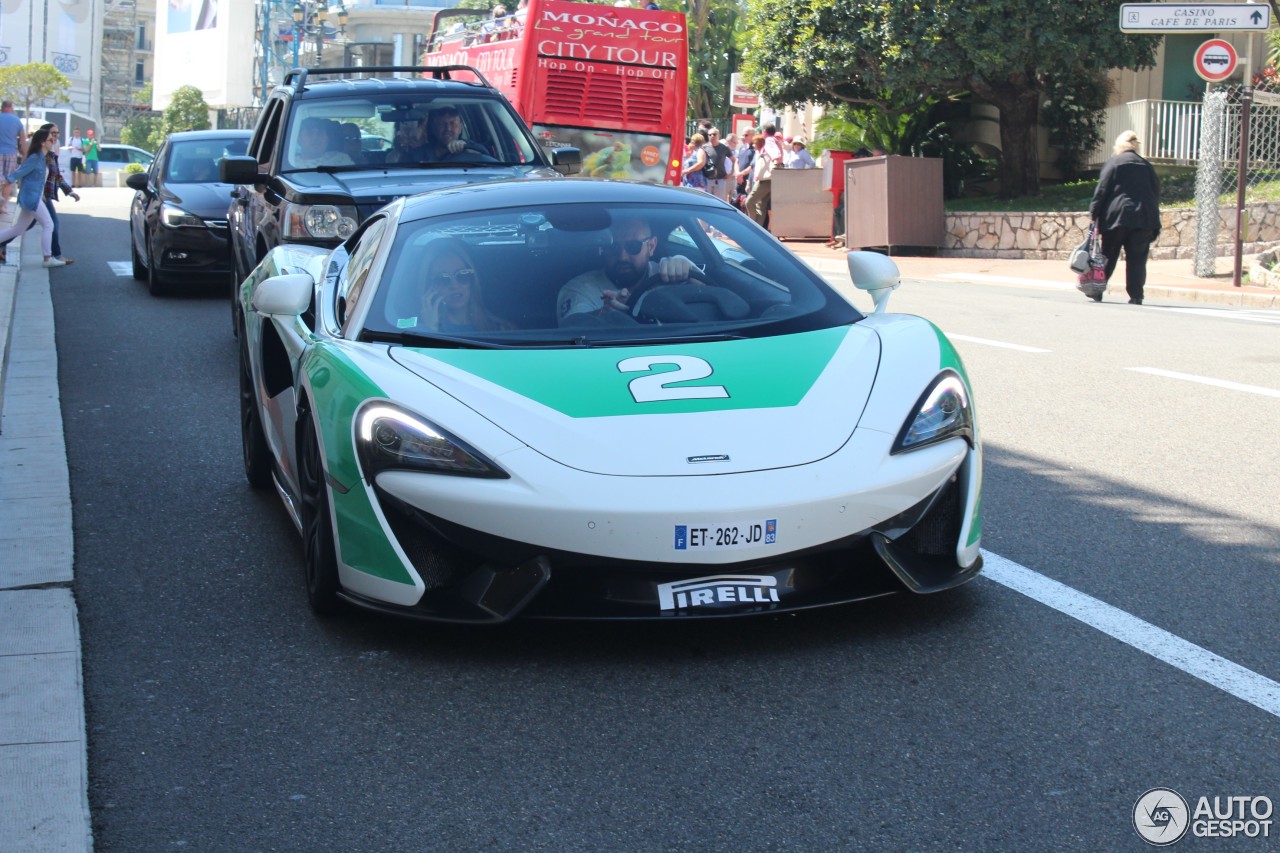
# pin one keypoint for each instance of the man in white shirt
(627, 263)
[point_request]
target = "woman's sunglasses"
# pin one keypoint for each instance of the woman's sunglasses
(466, 278)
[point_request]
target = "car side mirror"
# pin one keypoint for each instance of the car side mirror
(240, 170)
(137, 181)
(284, 295)
(566, 161)
(876, 274)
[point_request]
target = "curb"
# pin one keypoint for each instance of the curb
(44, 776)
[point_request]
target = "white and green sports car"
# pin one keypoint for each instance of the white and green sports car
(508, 400)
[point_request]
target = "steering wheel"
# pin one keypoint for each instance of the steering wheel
(655, 280)
(694, 303)
(474, 152)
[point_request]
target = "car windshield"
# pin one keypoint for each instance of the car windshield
(592, 275)
(196, 161)
(406, 130)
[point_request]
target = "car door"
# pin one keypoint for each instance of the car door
(144, 214)
(246, 199)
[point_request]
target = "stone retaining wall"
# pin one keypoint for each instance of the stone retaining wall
(1055, 235)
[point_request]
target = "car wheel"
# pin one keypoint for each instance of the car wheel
(319, 557)
(253, 441)
(155, 283)
(139, 271)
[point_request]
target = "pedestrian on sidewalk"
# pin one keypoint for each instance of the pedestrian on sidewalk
(52, 184)
(30, 178)
(76, 143)
(1126, 207)
(13, 138)
(761, 184)
(695, 161)
(90, 146)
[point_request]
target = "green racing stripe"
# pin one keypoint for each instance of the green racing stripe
(949, 357)
(338, 387)
(595, 382)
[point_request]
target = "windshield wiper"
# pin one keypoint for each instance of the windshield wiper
(423, 339)
(674, 339)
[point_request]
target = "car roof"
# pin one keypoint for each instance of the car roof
(539, 193)
(224, 133)
(337, 88)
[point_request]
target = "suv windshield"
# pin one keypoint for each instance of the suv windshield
(404, 130)
(543, 277)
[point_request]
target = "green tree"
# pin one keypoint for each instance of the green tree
(187, 110)
(713, 54)
(1004, 51)
(145, 129)
(31, 83)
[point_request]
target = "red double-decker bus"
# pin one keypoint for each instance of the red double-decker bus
(609, 80)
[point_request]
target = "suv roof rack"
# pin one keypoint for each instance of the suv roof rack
(298, 76)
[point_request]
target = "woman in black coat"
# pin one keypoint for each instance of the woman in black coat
(1126, 206)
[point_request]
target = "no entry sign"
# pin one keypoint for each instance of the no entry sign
(1216, 60)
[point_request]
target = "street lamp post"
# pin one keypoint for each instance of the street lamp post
(283, 25)
(309, 19)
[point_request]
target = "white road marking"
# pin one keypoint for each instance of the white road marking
(1252, 316)
(1048, 284)
(121, 268)
(1204, 380)
(991, 343)
(1245, 684)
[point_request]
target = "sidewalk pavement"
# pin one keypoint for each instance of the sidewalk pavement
(1167, 280)
(44, 777)
(43, 765)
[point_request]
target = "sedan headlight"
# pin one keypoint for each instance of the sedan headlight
(319, 221)
(175, 217)
(390, 438)
(943, 412)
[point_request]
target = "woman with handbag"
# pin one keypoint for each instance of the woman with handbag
(1126, 206)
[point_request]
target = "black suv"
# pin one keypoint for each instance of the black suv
(327, 152)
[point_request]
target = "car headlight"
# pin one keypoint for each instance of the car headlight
(175, 217)
(943, 412)
(390, 438)
(319, 221)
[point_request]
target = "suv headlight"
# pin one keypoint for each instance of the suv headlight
(942, 412)
(390, 438)
(319, 221)
(173, 216)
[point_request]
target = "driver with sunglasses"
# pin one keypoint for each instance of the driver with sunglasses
(628, 261)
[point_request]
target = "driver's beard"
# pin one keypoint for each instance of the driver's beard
(626, 273)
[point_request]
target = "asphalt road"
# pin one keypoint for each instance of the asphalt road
(222, 716)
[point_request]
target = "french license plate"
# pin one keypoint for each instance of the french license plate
(726, 537)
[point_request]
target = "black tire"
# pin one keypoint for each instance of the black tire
(320, 560)
(139, 271)
(155, 283)
(253, 441)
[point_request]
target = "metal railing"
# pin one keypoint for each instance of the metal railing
(1169, 130)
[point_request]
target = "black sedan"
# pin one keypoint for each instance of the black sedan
(178, 220)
